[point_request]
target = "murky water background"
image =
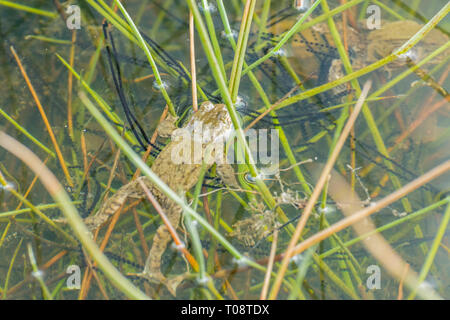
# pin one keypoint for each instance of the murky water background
(427, 147)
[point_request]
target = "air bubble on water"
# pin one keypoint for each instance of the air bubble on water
(232, 34)
(250, 179)
(297, 259)
(157, 86)
(178, 247)
(38, 274)
(8, 186)
(242, 262)
(11, 237)
(372, 204)
(195, 223)
(241, 102)
(280, 52)
(303, 5)
(327, 210)
(210, 7)
(203, 281)
(411, 54)
(427, 285)
(396, 213)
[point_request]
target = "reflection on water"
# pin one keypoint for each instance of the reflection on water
(412, 118)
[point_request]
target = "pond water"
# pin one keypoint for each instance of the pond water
(409, 136)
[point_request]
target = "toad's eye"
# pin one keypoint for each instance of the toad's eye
(249, 178)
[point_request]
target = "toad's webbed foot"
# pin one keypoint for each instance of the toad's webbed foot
(171, 283)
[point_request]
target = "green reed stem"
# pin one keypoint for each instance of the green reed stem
(402, 50)
(126, 30)
(22, 7)
(11, 264)
(385, 114)
(26, 133)
(200, 90)
(388, 9)
(150, 59)
(101, 102)
(286, 147)
(38, 274)
(340, 125)
(42, 215)
(221, 83)
(388, 226)
(264, 17)
(41, 207)
(301, 273)
(390, 84)
(293, 30)
(322, 17)
(166, 5)
(265, 99)
(241, 49)
(109, 14)
(433, 250)
(139, 163)
(196, 245)
(60, 196)
(210, 263)
(366, 111)
(406, 73)
(213, 37)
(48, 39)
(192, 228)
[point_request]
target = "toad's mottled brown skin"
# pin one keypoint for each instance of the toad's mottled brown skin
(368, 46)
(300, 49)
(180, 177)
(393, 35)
(249, 231)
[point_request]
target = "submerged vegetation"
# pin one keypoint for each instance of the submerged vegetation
(353, 93)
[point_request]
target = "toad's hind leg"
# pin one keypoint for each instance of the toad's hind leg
(152, 269)
(110, 206)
